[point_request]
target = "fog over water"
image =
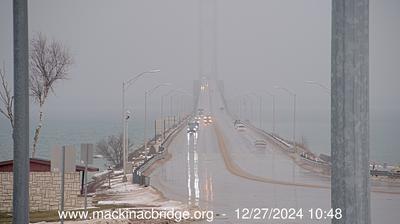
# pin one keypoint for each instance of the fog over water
(260, 44)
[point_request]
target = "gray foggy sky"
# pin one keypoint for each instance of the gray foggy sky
(260, 44)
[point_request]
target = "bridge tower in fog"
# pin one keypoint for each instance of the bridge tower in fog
(207, 45)
(207, 39)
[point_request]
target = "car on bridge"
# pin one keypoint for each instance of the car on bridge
(200, 111)
(192, 128)
(239, 125)
(207, 119)
(260, 143)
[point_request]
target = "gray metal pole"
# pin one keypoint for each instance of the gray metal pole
(86, 174)
(170, 106)
(273, 114)
(260, 112)
(62, 180)
(164, 129)
(21, 113)
(162, 107)
(294, 123)
(145, 121)
(123, 133)
(350, 111)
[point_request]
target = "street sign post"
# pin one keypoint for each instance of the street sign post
(56, 159)
(62, 160)
(86, 158)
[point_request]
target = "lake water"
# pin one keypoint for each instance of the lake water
(315, 128)
(70, 133)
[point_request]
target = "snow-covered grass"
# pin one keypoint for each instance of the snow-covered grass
(118, 172)
(101, 173)
(128, 194)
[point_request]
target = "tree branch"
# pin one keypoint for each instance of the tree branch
(6, 98)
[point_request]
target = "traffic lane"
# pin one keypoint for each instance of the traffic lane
(268, 162)
(174, 176)
(220, 190)
(383, 205)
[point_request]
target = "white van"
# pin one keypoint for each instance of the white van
(240, 127)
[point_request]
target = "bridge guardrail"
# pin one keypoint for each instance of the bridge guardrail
(138, 177)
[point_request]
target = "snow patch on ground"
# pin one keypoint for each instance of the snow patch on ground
(128, 194)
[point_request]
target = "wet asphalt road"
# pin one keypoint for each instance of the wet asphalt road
(204, 173)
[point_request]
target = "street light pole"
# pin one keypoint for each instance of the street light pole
(170, 110)
(260, 117)
(124, 179)
(170, 102)
(322, 86)
(145, 122)
(260, 109)
(294, 114)
(162, 107)
(247, 109)
(252, 111)
(125, 85)
(146, 94)
(273, 111)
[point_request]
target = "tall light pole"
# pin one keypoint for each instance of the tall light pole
(162, 107)
(166, 95)
(244, 108)
(125, 85)
(251, 110)
(322, 86)
(181, 102)
(146, 94)
(253, 114)
(171, 110)
(294, 114)
(126, 118)
(273, 110)
(241, 112)
(259, 109)
(162, 102)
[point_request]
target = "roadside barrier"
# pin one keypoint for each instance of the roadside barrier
(138, 173)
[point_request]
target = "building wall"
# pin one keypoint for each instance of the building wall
(44, 191)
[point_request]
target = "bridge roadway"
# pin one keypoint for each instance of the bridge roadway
(221, 170)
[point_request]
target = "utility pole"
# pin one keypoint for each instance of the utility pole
(63, 181)
(147, 94)
(21, 113)
(273, 111)
(350, 111)
(145, 121)
(163, 128)
(155, 131)
(125, 85)
(294, 115)
(260, 112)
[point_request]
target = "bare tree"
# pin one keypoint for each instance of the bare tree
(6, 98)
(49, 63)
(111, 149)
